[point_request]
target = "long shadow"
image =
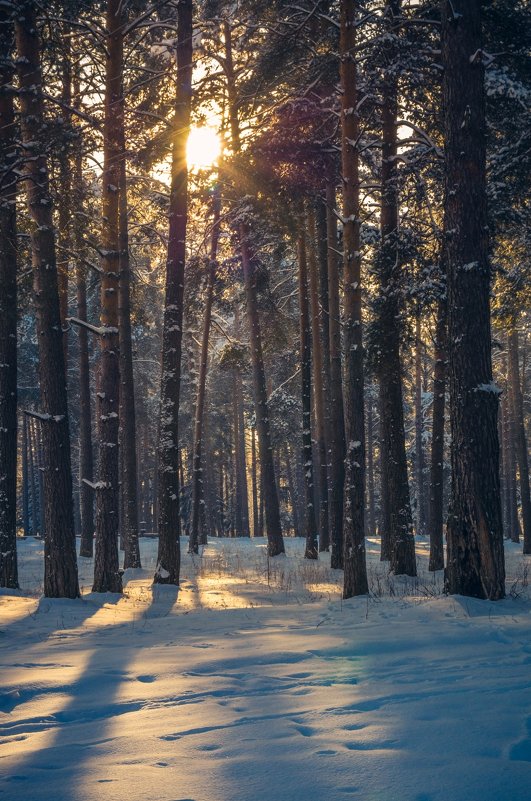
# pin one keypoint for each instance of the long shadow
(77, 732)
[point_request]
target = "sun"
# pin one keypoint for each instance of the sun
(203, 148)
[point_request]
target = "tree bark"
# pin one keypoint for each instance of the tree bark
(436, 561)
(371, 514)
(128, 461)
(107, 577)
(8, 309)
(65, 183)
(254, 483)
(310, 527)
(197, 469)
(86, 466)
(397, 535)
(336, 442)
(419, 431)
(475, 557)
(520, 438)
(318, 359)
(355, 576)
(60, 566)
(169, 552)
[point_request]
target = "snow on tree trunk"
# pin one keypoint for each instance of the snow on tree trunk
(475, 558)
(60, 566)
(8, 309)
(169, 524)
(355, 577)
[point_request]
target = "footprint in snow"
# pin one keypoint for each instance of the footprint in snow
(147, 678)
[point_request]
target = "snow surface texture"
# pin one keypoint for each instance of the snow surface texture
(254, 682)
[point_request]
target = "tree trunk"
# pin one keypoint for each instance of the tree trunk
(336, 442)
(475, 557)
(107, 577)
(513, 530)
(419, 431)
(169, 552)
(398, 527)
(197, 469)
(318, 386)
(355, 578)
(310, 527)
(254, 480)
(86, 466)
(292, 494)
(520, 438)
(128, 461)
(60, 567)
(8, 310)
(65, 183)
(436, 561)
(371, 516)
(241, 462)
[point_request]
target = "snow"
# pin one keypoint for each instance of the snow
(254, 682)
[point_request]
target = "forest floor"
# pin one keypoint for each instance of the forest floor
(255, 682)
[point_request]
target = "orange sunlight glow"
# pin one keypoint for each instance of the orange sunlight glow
(203, 148)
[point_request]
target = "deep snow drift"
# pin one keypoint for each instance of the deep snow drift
(256, 683)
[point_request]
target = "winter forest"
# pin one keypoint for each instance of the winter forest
(265, 400)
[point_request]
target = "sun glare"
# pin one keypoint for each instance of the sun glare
(203, 148)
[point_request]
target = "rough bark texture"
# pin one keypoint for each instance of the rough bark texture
(128, 450)
(106, 568)
(520, 437)
(397, 520)
(197, 469)
(318, 387)
(475, 558)
(310, 526)
(254, 483)
(371, 513)
(86, 465)
(169, 553)
(336, 443)
(420, 525)
(60, 566)
(435, 524)
(8, 310)
(355, 577)
(65, 183)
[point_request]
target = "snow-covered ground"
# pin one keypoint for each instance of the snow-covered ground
(255, 682)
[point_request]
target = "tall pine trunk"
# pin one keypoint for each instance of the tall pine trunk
(169, 551)
(397, 535)
(435, 517)
(107, 577)
(318, 359)
(128, 454)
(475, 563)
(60, 566)
(419, 431)
(336, 442)
(86, 465)
(310, 526)
(8, 309)
(197, 469)
(355, 577)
